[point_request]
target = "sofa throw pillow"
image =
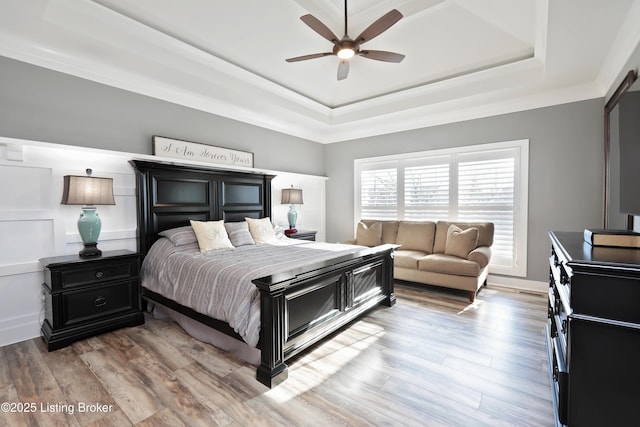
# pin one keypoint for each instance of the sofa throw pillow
(239, 233)
(180, 236)
(460, 242)
(262, 230)
(211, 235)
(369, 235)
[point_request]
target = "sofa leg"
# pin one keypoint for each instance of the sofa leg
(472, 296)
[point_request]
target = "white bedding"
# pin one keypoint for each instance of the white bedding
(218, 283)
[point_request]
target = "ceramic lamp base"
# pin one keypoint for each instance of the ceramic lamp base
(90, 250)
(89, 226)
(292, 216)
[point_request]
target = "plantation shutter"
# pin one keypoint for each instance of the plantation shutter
(426, 192)
(486, 192)
(378, 189)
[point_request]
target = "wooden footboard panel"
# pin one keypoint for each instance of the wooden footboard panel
(299, 308)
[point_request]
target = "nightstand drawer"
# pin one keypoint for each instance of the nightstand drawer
(97, 273)
(90, 304)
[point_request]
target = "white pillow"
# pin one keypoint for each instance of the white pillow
(211, 235)
(262, 230)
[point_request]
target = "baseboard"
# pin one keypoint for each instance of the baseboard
(20, 328)
(519, 284)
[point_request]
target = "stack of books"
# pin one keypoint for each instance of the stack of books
(608, 237)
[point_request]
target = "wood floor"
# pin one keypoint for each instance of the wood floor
(431, 360)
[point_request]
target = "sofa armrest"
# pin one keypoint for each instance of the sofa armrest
(480, 255)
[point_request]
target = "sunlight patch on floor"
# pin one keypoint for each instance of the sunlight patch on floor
(473, 306)
(326, 360)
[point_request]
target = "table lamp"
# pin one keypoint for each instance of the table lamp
(291, 196)
(88, 191)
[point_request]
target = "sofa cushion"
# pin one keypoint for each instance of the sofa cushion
(485, 233)
(416, 235)
(369, 235)
(389, 229)
(407, 258)
(460, 242)
(449, 264)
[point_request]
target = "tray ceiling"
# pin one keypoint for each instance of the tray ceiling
(464, 58)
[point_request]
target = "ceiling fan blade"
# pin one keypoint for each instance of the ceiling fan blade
(305, 57)
(381, 55)
(317, 26)
(343, 70)
(380, 26)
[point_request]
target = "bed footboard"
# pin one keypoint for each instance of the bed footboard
(300, 307)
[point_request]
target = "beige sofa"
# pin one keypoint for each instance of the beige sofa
(434, 253)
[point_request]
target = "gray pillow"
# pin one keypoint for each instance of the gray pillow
(180, 235)
(239, 233)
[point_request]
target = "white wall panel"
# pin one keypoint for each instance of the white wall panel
(33, 223)
(311, 214)
(25, 187)
(22, 308)
(25, 240)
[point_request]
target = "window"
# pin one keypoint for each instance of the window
(479, 183)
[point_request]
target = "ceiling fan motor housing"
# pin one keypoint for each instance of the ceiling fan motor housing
(346, 44)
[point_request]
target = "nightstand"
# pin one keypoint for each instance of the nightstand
(304, 235)
(89, 296)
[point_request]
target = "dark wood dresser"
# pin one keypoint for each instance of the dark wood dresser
(89, 296)
(593, 332)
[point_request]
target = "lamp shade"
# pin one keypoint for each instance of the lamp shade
(87, 190)
(291, 196)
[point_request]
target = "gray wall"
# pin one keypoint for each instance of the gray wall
(43, 105)
(565, 168)
(565, 144)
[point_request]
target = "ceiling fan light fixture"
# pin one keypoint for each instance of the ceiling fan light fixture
(346, 53)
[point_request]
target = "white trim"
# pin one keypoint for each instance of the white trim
(19, 328)
(20, 268)
(518, 284)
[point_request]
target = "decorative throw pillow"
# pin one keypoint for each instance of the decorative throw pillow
(239, 233)
(261, 230)
(211, 235)
(369, 236)
(460, 242)
(180, 235)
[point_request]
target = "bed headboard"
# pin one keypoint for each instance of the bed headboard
(169, 195)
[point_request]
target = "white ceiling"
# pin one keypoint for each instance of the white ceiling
(464, 58)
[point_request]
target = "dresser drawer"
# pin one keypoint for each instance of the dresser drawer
(91, 273)
(90, 304)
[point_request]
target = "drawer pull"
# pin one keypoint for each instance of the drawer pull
(100, 301)
(99, 274)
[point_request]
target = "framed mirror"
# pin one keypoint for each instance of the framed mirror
(622, 155)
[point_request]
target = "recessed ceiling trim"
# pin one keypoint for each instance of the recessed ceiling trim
(157, 65)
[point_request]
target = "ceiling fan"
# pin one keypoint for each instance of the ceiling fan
(346, 47)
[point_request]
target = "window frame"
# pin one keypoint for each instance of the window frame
(521, 186)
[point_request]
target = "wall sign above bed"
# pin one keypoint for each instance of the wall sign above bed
(178, 149)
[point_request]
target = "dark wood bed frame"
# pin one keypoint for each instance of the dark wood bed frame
(299, 307)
